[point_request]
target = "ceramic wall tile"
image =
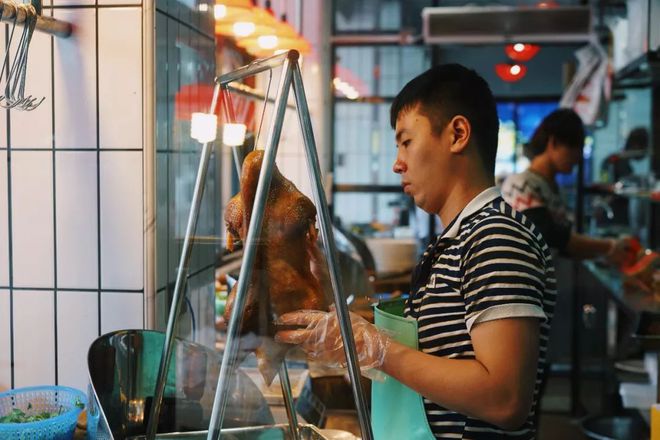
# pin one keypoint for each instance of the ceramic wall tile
(122, 246)
(121, 310)
(4, 223)
(5, 340)
(77, 328)
(32, 218)
(34, 338)
(34, 129)
(76, 219)
(75, 81)
(120, 77)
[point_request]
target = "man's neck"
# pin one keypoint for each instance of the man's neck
(543, 168)
(459, 196)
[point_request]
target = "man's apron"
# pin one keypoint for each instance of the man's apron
(397, 412)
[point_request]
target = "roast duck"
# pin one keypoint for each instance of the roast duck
(288, 265)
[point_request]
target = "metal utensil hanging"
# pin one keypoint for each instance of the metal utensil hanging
(14, 95)
(30, 16)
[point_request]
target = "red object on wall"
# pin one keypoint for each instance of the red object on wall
(510, 72)
(521, 52)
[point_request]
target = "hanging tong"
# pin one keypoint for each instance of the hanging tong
(30, 16)
(14, 94)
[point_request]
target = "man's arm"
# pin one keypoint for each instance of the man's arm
(583, 247)
(496, 387)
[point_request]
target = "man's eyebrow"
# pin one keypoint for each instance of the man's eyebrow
(399, 134)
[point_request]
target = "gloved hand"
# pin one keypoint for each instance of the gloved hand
(321, 338)
(622, 251)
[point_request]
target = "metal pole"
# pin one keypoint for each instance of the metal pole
(48, 25)
(181, 279)
(288, 401)
(254, 67)
(230, 117)
(231, 346)
(329, 243)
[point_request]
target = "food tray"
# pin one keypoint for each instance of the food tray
(274, 432)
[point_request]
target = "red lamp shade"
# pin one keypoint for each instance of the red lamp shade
(510, 72)
(521, 52)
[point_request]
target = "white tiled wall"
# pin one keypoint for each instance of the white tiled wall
(71, 196)
(76, 219)
(120, 56)
(5, 340)
(32, 218)
(121, 220)
(34, 129)
(77, 326)
(121, 310)
(4, 231)
(34, 339)
(75, 80)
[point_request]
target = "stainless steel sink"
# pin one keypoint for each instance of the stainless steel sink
(123, 367)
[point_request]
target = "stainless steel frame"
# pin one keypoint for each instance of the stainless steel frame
(290, 78)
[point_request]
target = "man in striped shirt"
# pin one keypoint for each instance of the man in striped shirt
(484, 291)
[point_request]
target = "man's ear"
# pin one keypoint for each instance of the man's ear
(460, 132)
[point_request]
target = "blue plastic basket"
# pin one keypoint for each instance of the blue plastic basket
(63, 400)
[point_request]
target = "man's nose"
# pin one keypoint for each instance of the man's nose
(399, 166)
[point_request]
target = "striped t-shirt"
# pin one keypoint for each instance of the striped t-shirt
(489, 264)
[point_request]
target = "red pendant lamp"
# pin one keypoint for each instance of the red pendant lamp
(510, 72)
(521, 52)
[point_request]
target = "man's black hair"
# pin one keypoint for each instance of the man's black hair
(563, 125)
(448, 90)
(637, 140)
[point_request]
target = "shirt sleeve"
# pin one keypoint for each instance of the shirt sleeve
(503, 273)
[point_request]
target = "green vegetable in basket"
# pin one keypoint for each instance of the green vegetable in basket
(18, 416)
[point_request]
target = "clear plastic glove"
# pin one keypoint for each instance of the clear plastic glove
(321, 338)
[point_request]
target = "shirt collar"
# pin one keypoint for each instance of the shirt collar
(481, 200)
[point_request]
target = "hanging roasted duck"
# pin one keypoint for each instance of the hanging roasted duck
(288, 264)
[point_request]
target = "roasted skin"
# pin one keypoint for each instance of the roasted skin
(283, 279)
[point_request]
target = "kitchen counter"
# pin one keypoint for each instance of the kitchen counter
(625, 294)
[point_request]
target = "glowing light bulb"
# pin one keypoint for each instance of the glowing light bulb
(204, 127)
(243, 28)
(233, 135)
(219, 12)
(518, 47)
(267, 41)
(515, 69)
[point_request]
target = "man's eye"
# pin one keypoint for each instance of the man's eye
(406, 143)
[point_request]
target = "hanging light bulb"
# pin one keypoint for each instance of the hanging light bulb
(510, 72)
(521, 52)
(267, 42)
(219, 11)
(282, 39)
(231, 9)
(253, 24)
(243, 28)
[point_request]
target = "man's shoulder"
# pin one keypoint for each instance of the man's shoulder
(499, 218)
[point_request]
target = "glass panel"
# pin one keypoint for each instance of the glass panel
(378, 70)
(379, 15)
(364, 144)
(184, 84)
